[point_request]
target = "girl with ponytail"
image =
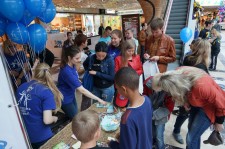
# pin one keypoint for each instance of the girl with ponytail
(37, 100)
(68, 81)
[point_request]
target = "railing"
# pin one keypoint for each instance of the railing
(167, 14)
(188, 12)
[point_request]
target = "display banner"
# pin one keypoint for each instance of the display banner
(12, 132)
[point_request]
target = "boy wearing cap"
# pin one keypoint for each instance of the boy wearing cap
(136, 122)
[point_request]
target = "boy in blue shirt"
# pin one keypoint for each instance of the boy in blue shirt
(136, 122)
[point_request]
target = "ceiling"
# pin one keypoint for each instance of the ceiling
(100, 4)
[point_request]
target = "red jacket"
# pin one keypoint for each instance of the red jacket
(135, 63)
(168, 102)
(207, 94)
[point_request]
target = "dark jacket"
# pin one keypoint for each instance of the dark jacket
(188, 62)
(67, 44)
(107, 73)
(215, 49)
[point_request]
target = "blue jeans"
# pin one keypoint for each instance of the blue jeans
(105, 94)
(70, 109)
(158, 135)
(198, 123)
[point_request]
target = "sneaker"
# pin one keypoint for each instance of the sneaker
(178, 138)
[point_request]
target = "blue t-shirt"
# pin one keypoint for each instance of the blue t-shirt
(68, 81)
(114, 51)
(106, 40)
(33, 99)
(136, 128)
(16, 63)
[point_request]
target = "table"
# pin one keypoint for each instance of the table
(65, 134)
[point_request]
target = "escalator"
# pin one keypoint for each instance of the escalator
(177, 21)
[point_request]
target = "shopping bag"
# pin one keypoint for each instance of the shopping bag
(141, 86)
(150, 69)
(87, 81)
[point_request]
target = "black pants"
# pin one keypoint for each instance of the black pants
(213, 61)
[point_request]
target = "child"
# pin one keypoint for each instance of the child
(162, 105)
(136, 122)
(86, 127)
(128, 58)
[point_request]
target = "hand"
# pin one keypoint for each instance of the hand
(18, 81)
(14, 73)
(102, 102)
(92, 72)
(187, 106)
(154, 58)
(146, 56)
(218, 127)
(55, 119)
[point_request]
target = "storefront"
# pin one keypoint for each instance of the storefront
(71, 22)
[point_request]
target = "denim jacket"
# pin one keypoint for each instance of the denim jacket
(107, 72)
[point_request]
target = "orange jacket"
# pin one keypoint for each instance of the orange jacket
(135, 63)
(166, 51)
(207, 95)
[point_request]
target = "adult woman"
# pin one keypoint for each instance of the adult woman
(69, 41)
(128, 58)
(116, 41)
(81, 43)
(200, 58)
(200, 94)
(17, 63)
(102, 69)
(37, 99)
(68, 81)
(215, 49)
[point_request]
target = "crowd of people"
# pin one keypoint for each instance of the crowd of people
(116, 68)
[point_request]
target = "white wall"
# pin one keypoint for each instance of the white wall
(11, 127)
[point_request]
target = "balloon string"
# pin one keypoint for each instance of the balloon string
(21, 63)
(9, 68)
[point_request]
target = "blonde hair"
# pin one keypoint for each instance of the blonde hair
(201, 51)
(216, 32)
(43, 76)
(177, 82)
(85, 124)
(128, 44)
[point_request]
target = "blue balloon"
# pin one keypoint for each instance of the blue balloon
(38, 37)
(2, 26)
(185, 34)
(27, 18)
(49, 14)
(35, 7)
(17, 33)
(12, 9)
(48, 2)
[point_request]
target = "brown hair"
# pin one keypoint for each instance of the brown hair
(70, 51)
(157, 23)
(128, 44)
(43, 76)
(119, 34)
(85, 124)
(131, 82)
(80, 38)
